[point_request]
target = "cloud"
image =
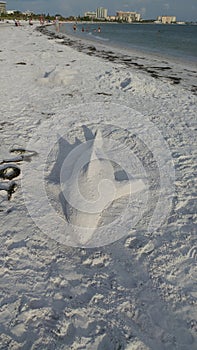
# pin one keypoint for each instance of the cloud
(143, 11)
(166, 6)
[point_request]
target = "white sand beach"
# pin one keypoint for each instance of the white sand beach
(121, 277)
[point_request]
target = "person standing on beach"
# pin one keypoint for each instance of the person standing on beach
(41, 20)
(30, 21)
(17, 23)
(57, 24)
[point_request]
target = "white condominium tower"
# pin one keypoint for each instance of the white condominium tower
(101, 13)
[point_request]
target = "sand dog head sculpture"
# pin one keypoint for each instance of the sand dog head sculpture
(92, 187)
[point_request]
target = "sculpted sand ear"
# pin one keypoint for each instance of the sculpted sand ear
(99, 165)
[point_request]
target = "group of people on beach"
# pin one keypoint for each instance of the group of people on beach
(86, 29)
(42, 21)
(17, 22)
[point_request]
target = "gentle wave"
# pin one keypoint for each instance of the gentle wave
(98, 37)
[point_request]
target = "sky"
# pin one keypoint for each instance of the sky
(149, 9)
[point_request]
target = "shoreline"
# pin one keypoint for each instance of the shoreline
(160, 55)
(158, 67)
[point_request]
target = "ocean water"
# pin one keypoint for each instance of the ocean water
(168, 40)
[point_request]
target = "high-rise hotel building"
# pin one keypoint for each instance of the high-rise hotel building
(2, 7)
(101, 13)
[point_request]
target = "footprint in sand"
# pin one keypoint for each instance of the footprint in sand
(9, 171)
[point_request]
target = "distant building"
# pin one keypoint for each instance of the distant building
(2, 7)
(137, 17)
(11, 12)
(111, 18)
(166, 19)
(89, 14)
(128, 16)
(101, 13)
(28, 13)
